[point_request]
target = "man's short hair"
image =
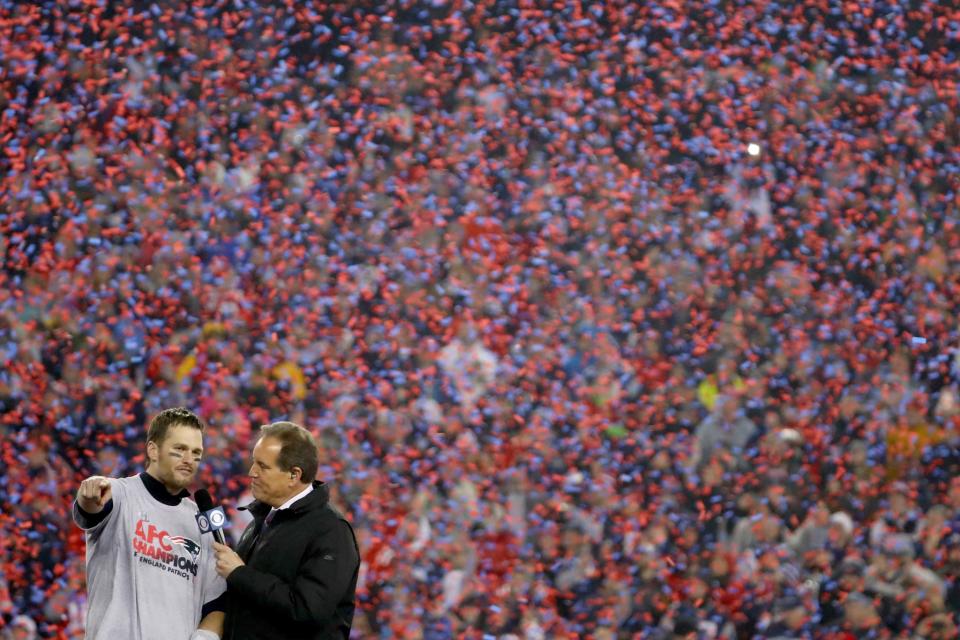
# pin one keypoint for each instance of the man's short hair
(298, 448)
(173, 417)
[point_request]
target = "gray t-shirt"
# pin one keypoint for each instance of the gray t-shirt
(149, 571)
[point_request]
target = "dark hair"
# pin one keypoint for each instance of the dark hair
(297, 448)
(173, 417)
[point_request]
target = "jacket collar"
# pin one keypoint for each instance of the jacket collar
(160, 493)
(316, 499)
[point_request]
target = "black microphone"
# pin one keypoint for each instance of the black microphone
(210, 519)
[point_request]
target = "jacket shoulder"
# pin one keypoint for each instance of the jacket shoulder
(327, 516)
(333, 512)
(327, 522)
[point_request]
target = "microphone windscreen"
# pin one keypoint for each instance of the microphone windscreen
(203, 499)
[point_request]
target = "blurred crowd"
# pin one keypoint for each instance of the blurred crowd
(613, 319)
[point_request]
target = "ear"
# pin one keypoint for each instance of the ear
(153, 452)
(296, 473)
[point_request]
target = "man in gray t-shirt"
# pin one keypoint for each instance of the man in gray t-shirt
(150, 574)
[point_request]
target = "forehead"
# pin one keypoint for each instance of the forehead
(267, 449)
(183, 435)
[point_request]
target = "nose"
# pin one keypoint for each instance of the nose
(252, 472)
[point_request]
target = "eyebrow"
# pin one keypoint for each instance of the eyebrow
(181, 445)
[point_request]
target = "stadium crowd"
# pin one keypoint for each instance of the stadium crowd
(613, 319)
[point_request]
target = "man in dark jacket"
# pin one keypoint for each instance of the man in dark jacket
(294, 574)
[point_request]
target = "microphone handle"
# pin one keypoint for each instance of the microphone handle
(218, 536)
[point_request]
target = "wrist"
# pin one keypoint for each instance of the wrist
(88, 508)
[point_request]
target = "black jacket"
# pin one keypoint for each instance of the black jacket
(300, 575)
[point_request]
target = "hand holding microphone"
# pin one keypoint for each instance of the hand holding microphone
(227, 559)
(211, 519)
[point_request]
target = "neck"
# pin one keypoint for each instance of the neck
(170, 489)
(294, 491)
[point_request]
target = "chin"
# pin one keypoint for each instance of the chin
(181, 482)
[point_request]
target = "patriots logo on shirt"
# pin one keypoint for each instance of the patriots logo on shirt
(192, 547)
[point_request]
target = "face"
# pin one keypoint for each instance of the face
(898, 503)
(269, 483)
(796, 617)
(175, 461)
(719, 566)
